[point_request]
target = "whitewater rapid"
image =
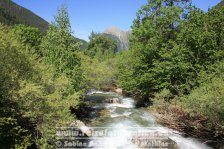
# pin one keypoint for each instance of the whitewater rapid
(124, 119)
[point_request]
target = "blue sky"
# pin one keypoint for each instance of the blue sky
(97, 15)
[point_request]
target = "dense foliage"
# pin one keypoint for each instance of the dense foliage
(208, 100)
(101, 47)
(152, 42)
(59, 48)
(43, 76)
(100, 75)
(176, 51)
(170, 45)
(37, 91)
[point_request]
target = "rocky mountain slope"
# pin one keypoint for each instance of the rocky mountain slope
(12, 13)
(120, 36)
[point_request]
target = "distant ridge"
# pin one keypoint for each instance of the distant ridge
(219, 4)
(12, 13)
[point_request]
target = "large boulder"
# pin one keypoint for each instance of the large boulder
(82, 127)
(160, 141)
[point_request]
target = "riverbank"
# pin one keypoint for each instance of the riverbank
(190, 125)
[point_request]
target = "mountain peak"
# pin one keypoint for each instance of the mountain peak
(120, 36)
(112, 29)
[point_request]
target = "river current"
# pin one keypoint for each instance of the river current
(125, 121)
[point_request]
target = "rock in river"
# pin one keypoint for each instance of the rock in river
(113, 100)
(82, 127)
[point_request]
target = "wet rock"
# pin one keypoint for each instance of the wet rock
(154, 140)
(82, 128)
(113, 100)
(118, 91)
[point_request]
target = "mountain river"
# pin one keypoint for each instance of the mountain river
(118, 115)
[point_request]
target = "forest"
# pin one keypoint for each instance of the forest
(175, 62)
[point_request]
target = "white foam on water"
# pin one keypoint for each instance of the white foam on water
(100, 92)
(125, 103)
(118, 105)
(182, 142)
(148, 117)
(123, 140)
(113, 115)
(121, 137)
(129, 102)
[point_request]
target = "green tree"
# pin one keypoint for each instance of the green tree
(93, 35)
(101, 47)
(33, 100)
(98, 74)
(59, 48)
(14, 66)
(154, 33)
(29, 36)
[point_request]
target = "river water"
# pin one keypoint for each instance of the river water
(124, 120)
